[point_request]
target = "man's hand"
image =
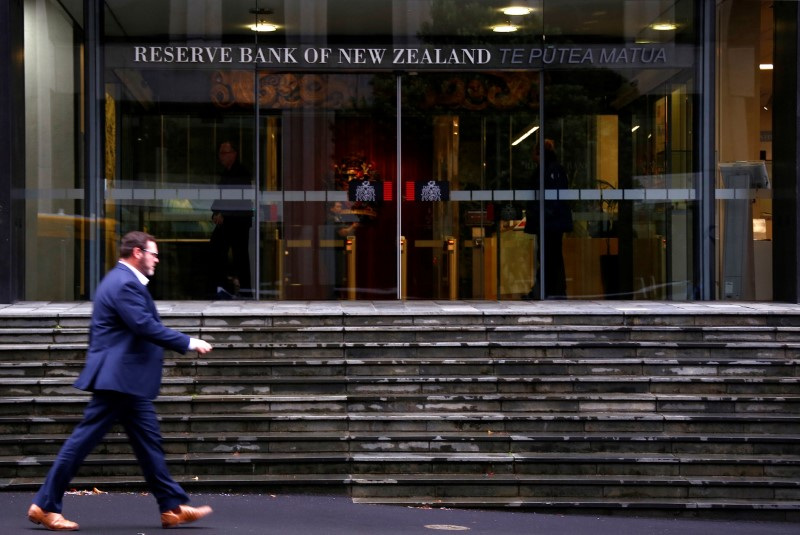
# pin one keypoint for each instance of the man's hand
(201, 346)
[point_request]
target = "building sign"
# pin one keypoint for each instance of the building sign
(470, 57)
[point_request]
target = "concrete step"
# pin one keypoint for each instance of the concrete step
(417, 328)
(620, 336)
(195, 464)
(767, 470)
(176, 385)
(425, 313)
(744, 509)
(420, 442)
(412, 403)
(533, 486)
(311, 483)
(658, 359)
(767, 424)
(445, 364)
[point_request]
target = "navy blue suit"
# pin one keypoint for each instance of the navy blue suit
(123, 372)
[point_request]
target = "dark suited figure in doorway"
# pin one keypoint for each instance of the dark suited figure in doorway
(557, 221)
(123, 373)
(230, 240)
(342, 223)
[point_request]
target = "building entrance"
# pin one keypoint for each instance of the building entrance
(416, 186)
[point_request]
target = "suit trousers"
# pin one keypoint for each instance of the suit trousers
(231, 236)
(138, 418)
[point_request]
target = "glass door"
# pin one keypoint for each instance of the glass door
(626, 160)
(467, 170)
(326, 181)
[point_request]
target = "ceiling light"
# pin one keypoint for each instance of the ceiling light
(505, 28)
(521, 138)
(261, 24)
(765, 66)
(517, 10)
(635, 128)
(664, 26)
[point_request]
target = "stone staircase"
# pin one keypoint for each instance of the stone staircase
(595, 406)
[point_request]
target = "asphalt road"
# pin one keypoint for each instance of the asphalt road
(238, 514)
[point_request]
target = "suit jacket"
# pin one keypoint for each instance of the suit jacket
(557, 213)
(127, 338)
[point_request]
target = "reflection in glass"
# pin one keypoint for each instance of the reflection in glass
(171, 184)
(323, 148)
(628, 159)
(55, 211)
(468, 130)
(744, 207)
(328, 218)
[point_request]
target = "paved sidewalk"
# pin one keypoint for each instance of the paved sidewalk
(265, 514)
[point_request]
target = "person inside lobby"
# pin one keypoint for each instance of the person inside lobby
(557, 221)
(230, 239)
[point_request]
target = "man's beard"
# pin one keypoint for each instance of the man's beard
(147, 271)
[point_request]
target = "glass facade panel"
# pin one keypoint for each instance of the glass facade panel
(327, 186)
(744, 182)
(377, 149)
(465, 182)
(631, 187)
(619, 152)
(54, 182)
(181, 143)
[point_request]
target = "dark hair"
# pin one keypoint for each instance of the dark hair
(132, 240)
(550, 152)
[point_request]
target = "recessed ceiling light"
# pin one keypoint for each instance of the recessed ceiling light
(765, 66)
(517, 10)
(664, 26)
(505, 28)
(262, 26)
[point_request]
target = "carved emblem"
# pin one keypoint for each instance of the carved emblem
(365, 192)
(431, 192)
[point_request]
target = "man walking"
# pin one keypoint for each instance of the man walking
(123, 372)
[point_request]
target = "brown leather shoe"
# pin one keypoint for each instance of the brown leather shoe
(184, 515)
(52, 521)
